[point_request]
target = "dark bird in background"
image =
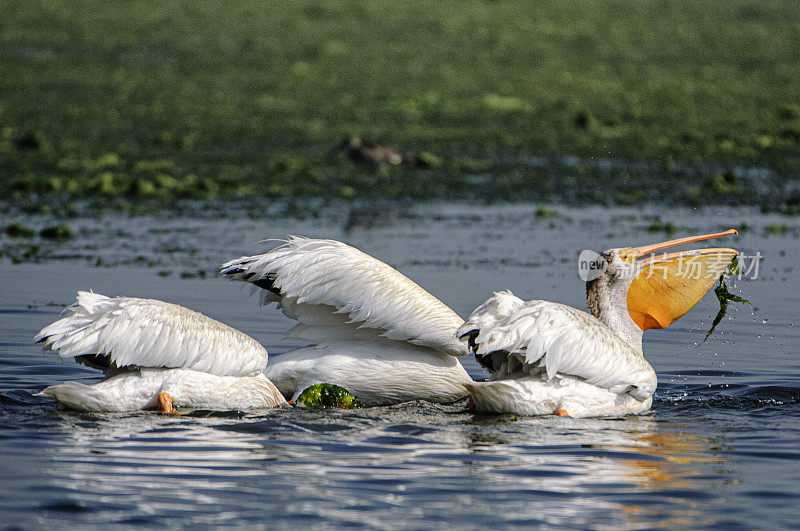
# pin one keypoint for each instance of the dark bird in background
(376, 154)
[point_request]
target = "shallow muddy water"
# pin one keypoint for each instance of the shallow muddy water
(721, 446)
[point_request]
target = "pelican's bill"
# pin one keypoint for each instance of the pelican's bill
(670, 285)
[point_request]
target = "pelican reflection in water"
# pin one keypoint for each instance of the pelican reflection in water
(261, 464)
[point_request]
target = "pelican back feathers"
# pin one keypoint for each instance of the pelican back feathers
(516, 337)
(152, 334)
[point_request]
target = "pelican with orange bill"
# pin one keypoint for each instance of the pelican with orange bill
(548, 358)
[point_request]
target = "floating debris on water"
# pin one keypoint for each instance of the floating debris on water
(777, 229)
(657, 225)
(18, 230)
(57, 232)
(545, 212)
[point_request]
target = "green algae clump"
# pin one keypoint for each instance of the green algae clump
(724, 296)
(17, 230)
(57, 232)
(323, 395)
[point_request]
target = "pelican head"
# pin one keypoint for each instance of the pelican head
(637, 290)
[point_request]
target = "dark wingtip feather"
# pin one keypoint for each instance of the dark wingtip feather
(268, 283)
(471, 336)
(485, 360)
(95, 361)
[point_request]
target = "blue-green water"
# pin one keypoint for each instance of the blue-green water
(720, 447)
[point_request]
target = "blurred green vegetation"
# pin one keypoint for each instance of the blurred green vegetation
(177, 99)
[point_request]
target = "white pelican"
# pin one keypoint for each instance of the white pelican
(371, 329)
(547, 358)
(156, 356)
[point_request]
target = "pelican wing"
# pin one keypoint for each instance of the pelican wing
(151, 333)
(554, 339)
(335, 290)
(496, 309)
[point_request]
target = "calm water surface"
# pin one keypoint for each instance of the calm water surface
(721, 447)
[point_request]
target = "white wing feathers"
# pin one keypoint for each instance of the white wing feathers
(497, 308)
(151, 333)
(333, 289)
(559, 339)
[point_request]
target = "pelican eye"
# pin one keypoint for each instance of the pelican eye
(626, 255)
